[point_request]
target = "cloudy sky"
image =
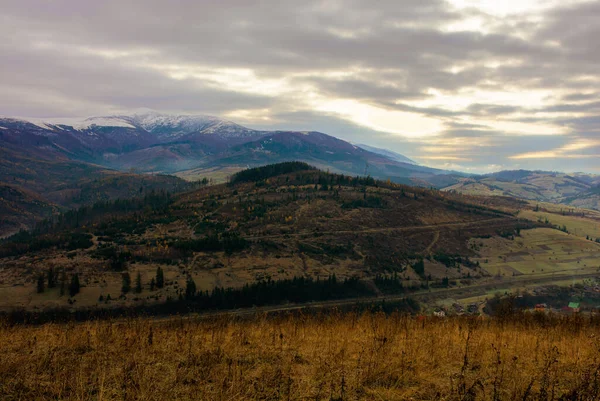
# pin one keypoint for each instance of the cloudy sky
(462, 84)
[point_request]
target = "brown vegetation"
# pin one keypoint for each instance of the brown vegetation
(368, 356)
(279, 225)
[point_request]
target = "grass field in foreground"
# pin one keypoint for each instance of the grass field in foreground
(332, 357)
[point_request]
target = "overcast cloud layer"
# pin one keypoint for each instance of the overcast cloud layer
(461, 84)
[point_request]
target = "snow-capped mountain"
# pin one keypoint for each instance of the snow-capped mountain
(164, 126)
(150, 141)
(175, 126)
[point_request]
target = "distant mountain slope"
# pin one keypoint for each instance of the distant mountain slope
(153, 142)
(39, 180)
(20, 209)
(321, 150)
(571, 189)
(589, 199)
(388, 153)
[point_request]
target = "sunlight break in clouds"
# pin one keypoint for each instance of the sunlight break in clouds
(564, 151)
(409, 125)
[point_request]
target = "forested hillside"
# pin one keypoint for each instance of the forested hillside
(272, 223)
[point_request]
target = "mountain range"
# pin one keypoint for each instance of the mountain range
(152, 142)
(51, 164)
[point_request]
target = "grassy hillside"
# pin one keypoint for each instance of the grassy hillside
(577, 190)
(270, 223)
(369, 356)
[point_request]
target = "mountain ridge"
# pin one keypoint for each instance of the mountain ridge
(170, 143)
(196, 146)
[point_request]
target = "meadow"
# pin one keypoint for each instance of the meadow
(538, 253)
(588, 226)
(333, 356)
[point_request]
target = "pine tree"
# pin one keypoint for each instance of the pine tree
(40, 284)
(138, 283)
(63, 283)
(190, 288)
(126, 283)
(51, 277)
(152, 284)
(160, 278)
(74, 287)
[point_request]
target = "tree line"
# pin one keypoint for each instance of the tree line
(267, 292)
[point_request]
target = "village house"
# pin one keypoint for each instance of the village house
(440, 313)
(573, 307)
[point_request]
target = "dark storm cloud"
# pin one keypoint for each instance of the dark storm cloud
(69, 57)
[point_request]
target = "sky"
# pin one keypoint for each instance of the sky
(469, 85)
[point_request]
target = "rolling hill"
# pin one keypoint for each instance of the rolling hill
(271, 223)
(578, 190)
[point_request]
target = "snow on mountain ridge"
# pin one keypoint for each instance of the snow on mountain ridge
(77, 124)
(109, 121)
(164, 125)
(152, 121)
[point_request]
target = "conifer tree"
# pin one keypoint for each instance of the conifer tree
(63, 283)
(74, 287)
(125, 283)
(51, 277)
(138, 283)
(40, 284)
(160, 278)
(190, 288)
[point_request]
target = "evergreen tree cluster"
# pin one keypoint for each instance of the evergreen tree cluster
(24, 242)
(389, 284)
(157, 201)
(271, 170)
(269, 292)
(64, 230)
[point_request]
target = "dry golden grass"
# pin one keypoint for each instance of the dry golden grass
(332, 357)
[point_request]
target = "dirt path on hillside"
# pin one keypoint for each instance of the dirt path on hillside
(423, 228)
(436, 238)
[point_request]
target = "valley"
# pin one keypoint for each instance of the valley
(126, 196)
(576, 190)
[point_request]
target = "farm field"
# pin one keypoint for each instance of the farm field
(537, 252)
(559, 208)
(217, 174)
(563, 190)
(577, 225)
